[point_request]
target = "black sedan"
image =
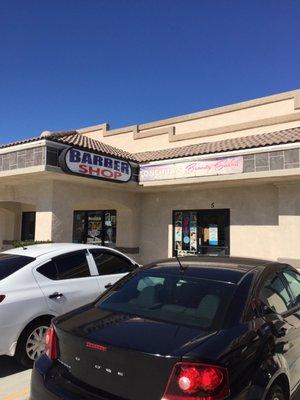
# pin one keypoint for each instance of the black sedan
(198, 329)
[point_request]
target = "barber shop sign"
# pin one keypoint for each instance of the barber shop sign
(91, 165)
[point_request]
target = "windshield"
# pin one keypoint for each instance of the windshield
(179, 299)
(10, 263)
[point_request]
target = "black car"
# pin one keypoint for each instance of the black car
(198, 329)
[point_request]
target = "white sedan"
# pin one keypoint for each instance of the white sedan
(40, 282)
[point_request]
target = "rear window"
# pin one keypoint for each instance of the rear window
(178, 299)
(10, 263)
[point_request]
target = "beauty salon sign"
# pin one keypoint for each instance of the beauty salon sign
(191, 169)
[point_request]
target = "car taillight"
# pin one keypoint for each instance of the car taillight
(195, 381)
(2, 297)
(51, 344)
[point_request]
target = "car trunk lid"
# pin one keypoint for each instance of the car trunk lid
(122, 355)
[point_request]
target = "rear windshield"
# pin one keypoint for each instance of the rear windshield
(10, 263)
(179, 299)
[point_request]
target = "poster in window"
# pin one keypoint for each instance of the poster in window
(193, 239)
(178, 246)
(194, 219)
(94, 228)
(178, 219)
(206, 235)
(178, 233)
(213, 235)
(186, 231)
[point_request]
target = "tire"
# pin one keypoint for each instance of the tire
(31, 342)
(276, 393)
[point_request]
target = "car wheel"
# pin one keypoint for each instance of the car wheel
(276, 393)
(32, 342)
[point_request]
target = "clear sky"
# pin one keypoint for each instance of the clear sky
(72, 63)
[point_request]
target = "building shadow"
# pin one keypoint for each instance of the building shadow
(9, 366)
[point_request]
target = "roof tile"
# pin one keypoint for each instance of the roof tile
(247, 142)
(76, 139)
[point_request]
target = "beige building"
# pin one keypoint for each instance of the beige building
(221, 181)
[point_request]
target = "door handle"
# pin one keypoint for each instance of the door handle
(55, 295)
(109, 285)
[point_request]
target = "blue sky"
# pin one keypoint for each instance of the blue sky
(72, 63)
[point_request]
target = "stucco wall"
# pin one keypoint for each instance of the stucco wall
(70, 197)
(252, 117)
(56, 201)
(265, 219)
(254, 229)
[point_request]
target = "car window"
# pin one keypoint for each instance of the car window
(11, 263)
(177, 299)
(109, 263)
(275, 295)
(72, 266)
(49, 270)
(293, 280)
(149, 281)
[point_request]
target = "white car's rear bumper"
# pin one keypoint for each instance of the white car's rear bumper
(8, 339)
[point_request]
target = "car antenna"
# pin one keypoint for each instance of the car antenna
(182, 268)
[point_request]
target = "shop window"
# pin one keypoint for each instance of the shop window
(28, 226)
(95, 227)
(201, 232)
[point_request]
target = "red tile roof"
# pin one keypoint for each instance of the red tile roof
(247, 142)
(76, 139)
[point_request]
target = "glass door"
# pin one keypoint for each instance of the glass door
(201, 231)
(213, 228)
(186, 232)
(110, 228)
(94, 231)
(95, 227)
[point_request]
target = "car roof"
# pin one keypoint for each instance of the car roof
(224, 268)
(39, 250)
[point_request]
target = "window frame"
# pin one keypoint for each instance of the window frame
(200, 212)
(296, 307)
(65, 255)
(86, 212)
(217, 320)
(278, 273)
(117, 255)
(19, 268)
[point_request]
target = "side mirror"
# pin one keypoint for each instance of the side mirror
(262, 309)
(273, 322)
(279, 329)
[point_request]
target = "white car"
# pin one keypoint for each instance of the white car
(40, 282)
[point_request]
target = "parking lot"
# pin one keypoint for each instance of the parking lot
(14, 381)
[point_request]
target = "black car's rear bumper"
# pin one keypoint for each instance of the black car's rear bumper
(39, 389)
(45, 385)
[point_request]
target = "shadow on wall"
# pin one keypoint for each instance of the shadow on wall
(10, 222)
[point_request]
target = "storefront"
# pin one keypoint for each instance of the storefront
(95, 227)
(201, 232)
(220, 182)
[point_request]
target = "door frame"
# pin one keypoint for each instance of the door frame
(198, 211)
